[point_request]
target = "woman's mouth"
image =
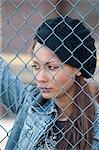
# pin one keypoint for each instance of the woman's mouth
(45, 90)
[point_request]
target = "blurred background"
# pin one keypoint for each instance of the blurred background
(19, 20)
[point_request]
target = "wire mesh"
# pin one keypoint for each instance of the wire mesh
(19, 21)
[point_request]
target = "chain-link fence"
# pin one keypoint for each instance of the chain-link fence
(19, 21)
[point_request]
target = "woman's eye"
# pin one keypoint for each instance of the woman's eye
(35, 66)
(51, 67)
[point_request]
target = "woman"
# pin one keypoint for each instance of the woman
(59, 112)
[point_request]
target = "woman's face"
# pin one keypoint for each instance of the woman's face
(52, 77)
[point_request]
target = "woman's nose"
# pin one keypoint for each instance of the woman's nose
(42, 76)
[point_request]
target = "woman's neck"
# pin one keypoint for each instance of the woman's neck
(64, 109)
(64, 104)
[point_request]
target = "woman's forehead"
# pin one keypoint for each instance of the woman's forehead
(43, 53)
(41, 48)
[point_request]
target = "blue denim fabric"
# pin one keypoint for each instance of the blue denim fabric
(96, 129)
(32, 117)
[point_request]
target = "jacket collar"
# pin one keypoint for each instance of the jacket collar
(44, 106)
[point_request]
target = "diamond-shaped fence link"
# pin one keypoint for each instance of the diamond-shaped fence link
(52, 105)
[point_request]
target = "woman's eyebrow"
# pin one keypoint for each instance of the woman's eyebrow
(34, 61)
(47, 62)
(50, 62)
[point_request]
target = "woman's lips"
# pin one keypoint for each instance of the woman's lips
(45, 90)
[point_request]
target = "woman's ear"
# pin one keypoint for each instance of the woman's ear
(78, 73)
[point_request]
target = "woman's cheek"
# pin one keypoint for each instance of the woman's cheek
(62, 79)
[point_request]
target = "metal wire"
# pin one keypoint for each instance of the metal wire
(19, 21)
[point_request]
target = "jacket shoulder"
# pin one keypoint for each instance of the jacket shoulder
(95, 144)
(96, 123)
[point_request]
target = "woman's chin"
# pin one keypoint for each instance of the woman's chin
(46, 96)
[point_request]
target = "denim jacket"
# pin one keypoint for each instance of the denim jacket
(33, 117)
